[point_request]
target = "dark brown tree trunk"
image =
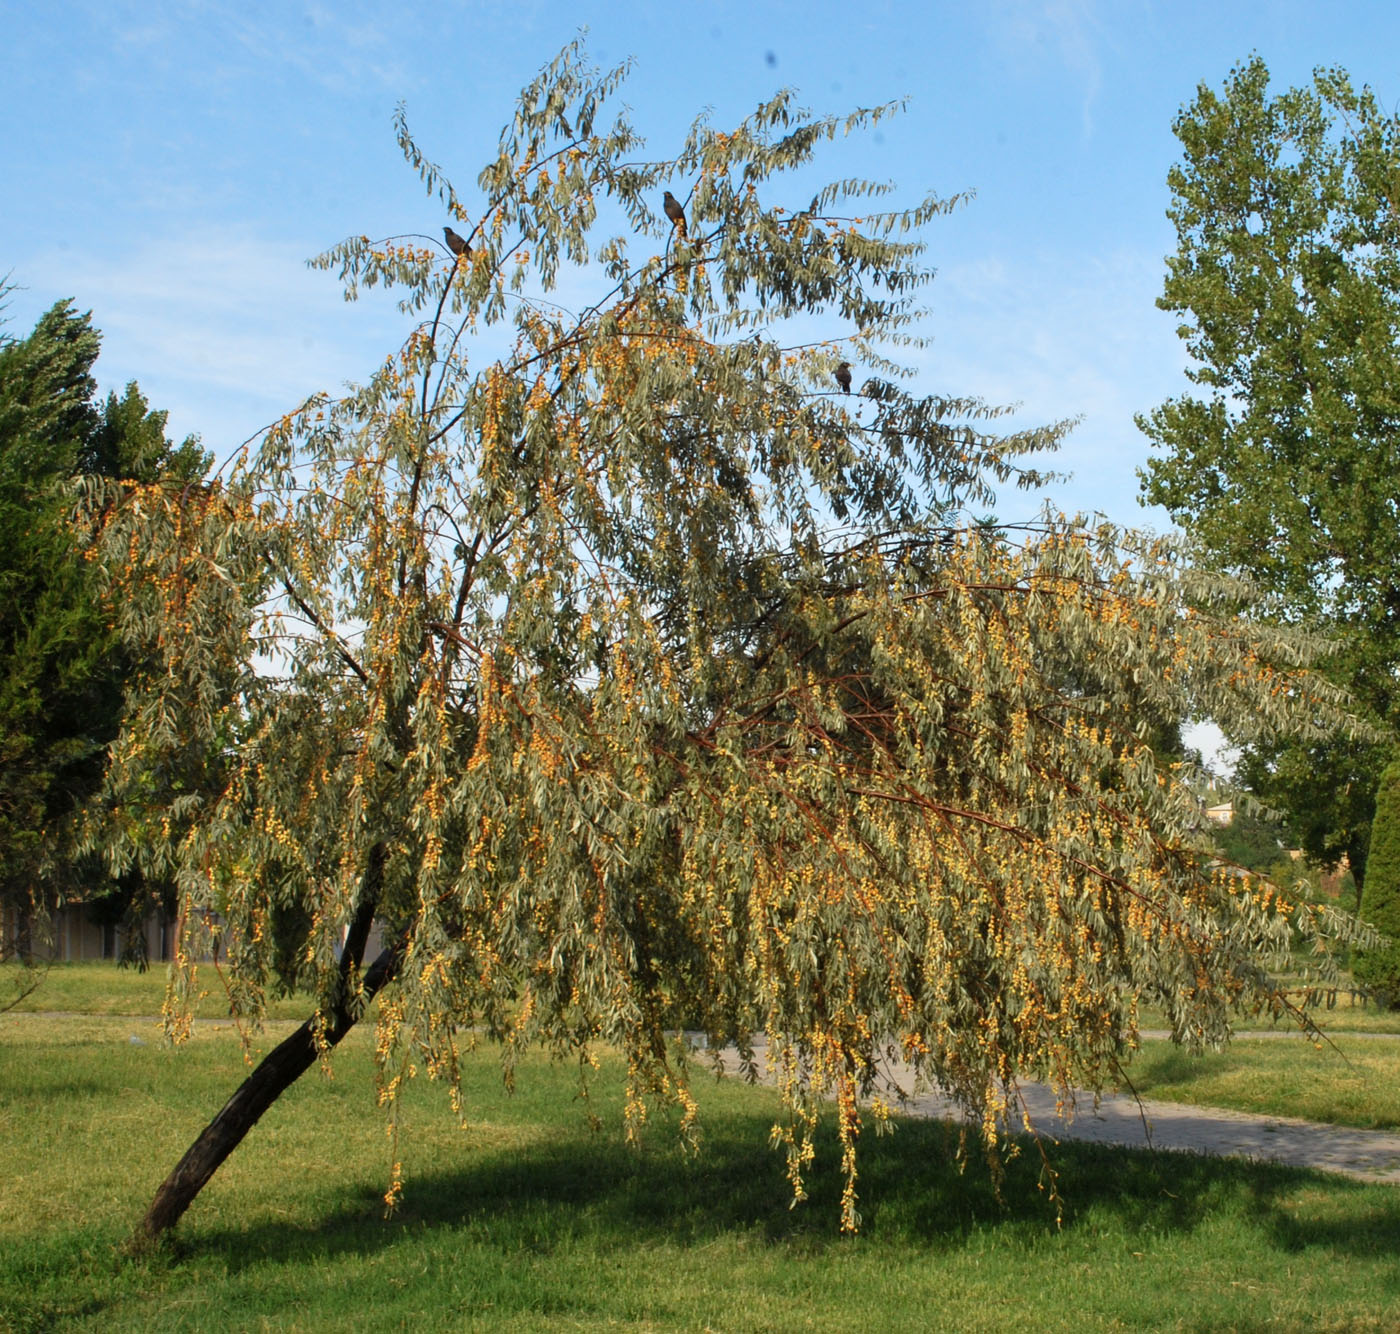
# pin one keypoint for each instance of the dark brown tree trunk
(277, 1072)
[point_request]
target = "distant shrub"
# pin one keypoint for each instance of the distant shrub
(1251, 841)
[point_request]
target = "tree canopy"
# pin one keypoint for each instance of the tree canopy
(1285, 466)
(635, 677)
(62, 666)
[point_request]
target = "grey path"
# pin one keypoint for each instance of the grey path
(1369, 1155)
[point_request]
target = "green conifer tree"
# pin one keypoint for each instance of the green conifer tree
(63, 667)
(1379, 969)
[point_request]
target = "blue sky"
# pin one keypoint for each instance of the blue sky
(171, 166)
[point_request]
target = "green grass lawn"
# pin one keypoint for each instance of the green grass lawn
(103, 988)
(1348, 1015)
(530, 1220)
(1353, 1082)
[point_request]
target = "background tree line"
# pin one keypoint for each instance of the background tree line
(63, 666)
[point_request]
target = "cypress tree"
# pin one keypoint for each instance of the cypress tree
(1379, 969)
(62, 666)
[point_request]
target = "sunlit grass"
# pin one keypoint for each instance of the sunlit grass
(528, 1219)
(1348, 1014)
(1351, 1081)
(103, 988)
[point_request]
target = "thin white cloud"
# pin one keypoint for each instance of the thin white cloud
(1073, 30)
(341, 47)
(225, 331)
(1064, 336)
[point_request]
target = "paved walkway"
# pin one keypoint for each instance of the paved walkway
(1369, 1155)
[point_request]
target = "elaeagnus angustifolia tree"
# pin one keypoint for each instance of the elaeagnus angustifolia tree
(630, 675)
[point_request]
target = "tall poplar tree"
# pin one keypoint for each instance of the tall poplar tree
(1284, 466)
(632, 675)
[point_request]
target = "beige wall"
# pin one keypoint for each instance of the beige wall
(75, 938)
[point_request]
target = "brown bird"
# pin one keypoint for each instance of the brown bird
(457, 244)
(675, 212)
(843, 376)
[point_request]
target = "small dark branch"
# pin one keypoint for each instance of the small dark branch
(32, 970)
(309, 612)
(448, 632)
(432, 335)
(357, 934)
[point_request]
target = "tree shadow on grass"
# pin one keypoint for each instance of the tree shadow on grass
(592, 1188)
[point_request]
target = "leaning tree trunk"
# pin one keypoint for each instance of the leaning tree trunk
(277, 1072)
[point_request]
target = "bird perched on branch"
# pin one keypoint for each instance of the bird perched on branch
(457, 244)
(675, 212)
(843, 376)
